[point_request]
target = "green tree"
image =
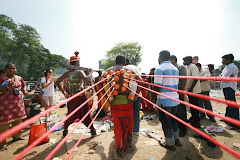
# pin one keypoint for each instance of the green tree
(7, 28)
(237, 63)
(131, 50)
(21, 45)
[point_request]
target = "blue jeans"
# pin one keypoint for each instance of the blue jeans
(232, 112)
(169, 125)
(205, 104)
(136, 116)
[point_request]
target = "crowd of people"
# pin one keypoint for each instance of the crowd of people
(126, 101)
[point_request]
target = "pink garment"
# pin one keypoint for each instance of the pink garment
(12, 106)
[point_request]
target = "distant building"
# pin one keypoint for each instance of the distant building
(101, 63)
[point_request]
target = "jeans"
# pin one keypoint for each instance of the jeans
(182, 114)
(169, 125)
(205, 104)
(194, 112)
(136, 116)
(232, 112)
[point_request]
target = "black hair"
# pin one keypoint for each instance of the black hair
(229, 56)
(10, 64)
(188, 58)
(195, 57)
(47, 70)
(165, 55)
(173, 57)
(127, 61)
(120, 60)
(198, 65)
(152, 69)
(2, 71)
(74, 62)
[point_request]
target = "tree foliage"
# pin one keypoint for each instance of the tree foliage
(21, 45)
(131, 50)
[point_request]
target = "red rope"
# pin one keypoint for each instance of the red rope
(188, 125)
(35, 143)
(227, 119)
(54, 151)
(228, 102)
(17, 128)
(79, 141)
(233, 79)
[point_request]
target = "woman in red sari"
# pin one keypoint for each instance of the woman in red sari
(12, 110)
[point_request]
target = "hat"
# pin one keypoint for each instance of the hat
(75, 58)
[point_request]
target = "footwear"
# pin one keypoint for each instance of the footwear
(136, 133)
(177, 142)
(93, 132)
(231, 127)
(182, 133)
(3, 148)
(202, 118)
(163, 144)
(199, 136)
(120, 152)
(212, 120)
(189, 120)
(20, 138)
(172, 148)
(196, 125)
(65, 133)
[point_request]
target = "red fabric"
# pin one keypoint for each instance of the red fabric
(12, 106)
(72, 105)
(124, 114)
(36, 132)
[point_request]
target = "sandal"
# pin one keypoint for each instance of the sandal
(172, 148)
(20, 138)
(65, 132)
(3, 147)
(120, 152)
(178, 143)
(93, 132)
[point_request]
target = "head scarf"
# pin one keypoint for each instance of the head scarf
(75, 58)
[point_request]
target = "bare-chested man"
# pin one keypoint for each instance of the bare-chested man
(74, 83)
(122, 103)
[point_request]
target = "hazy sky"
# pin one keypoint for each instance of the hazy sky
(206, 28)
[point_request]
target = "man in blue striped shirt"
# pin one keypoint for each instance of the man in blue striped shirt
(169, 125)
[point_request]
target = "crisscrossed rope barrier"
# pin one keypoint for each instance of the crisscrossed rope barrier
(35, 143)
(19, 127)
(51, 154)
(236, 154)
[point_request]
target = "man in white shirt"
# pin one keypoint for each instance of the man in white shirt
(193, 86)
(136, 103)
(230, 87)
(205, 89)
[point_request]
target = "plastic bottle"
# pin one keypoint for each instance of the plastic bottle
(4, 84)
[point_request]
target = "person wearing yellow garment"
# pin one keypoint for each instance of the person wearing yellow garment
(121, 103)
(100, 104)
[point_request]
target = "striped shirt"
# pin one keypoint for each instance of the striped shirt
(166, 68)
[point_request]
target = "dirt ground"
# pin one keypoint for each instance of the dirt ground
(143, 148)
